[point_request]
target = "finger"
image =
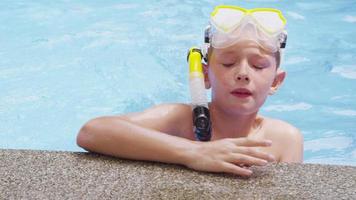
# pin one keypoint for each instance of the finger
(247, 160)
(249, 142)
(234, 169)
(244, 166)
(256, 153)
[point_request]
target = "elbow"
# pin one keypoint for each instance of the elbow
(86, 135)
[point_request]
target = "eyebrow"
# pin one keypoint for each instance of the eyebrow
(261, 56)
(228, 53)
(233, 51)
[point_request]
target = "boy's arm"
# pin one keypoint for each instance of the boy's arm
(145, 136)
(137, 136)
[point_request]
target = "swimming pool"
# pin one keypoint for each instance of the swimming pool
(65, 62)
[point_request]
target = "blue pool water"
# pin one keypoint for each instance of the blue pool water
(65, 62)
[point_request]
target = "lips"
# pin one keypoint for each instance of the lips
(241, 93)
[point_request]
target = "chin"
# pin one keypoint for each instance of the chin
(241, 109)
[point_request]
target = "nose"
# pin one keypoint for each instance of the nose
(243, 78)
(241, 73)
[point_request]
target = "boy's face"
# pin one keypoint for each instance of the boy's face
(241, 77)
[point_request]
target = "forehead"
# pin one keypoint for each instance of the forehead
(244, 47)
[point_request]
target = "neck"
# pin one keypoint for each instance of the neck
(227, 125)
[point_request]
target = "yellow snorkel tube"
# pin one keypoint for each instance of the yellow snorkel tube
(200, 109)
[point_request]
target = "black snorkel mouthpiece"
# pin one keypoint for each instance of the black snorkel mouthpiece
(200, 109)
(202, 123)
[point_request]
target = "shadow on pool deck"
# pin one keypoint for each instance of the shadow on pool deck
(29, 174)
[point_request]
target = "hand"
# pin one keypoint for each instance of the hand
(229, 155)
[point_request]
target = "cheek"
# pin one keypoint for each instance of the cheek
(265, 81)
(219, 79)
(219, 82)
(214, 77)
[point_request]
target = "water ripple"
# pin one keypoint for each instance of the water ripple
(346, 71)
(334, 143)
(349, 18)
(288, 107)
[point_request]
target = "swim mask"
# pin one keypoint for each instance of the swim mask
(231, 24)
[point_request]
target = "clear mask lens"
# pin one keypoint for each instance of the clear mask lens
(269, 21)
(226, 19)
(247, 31)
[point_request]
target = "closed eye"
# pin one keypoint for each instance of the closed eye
(258, 67)
(228, 64)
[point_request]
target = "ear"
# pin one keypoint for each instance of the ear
(206, 76)
(278, 80)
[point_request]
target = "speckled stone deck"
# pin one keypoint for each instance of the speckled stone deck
(29, 174)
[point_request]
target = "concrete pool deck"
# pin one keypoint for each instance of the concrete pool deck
(32, 174)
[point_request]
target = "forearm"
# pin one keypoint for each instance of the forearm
(127, 140)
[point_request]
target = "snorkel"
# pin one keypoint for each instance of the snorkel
(200, 109)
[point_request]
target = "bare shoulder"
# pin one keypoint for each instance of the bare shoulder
(281, 129)
(286, 138)
(171, 118)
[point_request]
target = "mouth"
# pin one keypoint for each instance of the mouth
(241, 93)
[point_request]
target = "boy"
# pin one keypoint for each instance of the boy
(243, 58)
